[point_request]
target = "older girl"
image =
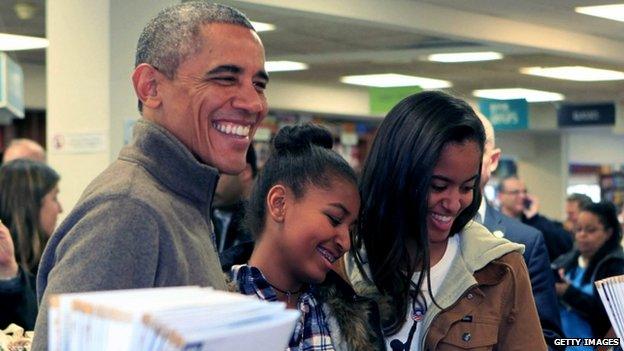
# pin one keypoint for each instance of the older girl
(442, 281)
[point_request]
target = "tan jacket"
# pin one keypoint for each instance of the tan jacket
(486, 298)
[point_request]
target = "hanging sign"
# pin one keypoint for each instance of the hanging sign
(506, 114)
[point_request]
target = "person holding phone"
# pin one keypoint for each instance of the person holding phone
(516, 202)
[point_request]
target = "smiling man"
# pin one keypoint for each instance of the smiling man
(145, 221)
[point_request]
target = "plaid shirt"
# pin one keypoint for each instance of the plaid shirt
(311, 332)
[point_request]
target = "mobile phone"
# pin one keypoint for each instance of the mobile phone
(527, 202)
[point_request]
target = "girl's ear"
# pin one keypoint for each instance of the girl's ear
(276, 203)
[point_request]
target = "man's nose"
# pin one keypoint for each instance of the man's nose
(249, 99)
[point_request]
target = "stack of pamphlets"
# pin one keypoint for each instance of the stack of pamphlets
(167, 319)
(611, 291)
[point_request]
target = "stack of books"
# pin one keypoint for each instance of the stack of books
(611, 291)
(167, 319)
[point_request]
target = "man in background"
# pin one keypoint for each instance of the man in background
(535, 253)
(517, 203)
(145, 221)
(574, 204)
(24, 148)
(228, 207)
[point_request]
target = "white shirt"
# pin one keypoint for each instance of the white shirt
(437, 274)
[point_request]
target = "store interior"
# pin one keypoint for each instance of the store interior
(79, 86)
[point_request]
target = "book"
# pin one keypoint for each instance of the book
(167, 319)
(611, 291)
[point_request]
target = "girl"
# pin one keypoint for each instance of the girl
(302, 206)
(597, 255)
(29, 208)
(442, 281)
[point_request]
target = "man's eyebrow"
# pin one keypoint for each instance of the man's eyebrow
(236, 70)
(263, 75)
(225, 69)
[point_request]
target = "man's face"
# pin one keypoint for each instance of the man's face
(512, 197)
(572, 211)
(216, 100)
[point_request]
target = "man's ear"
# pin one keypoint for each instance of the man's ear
(494, 159)
(145, 79)
(276, 203)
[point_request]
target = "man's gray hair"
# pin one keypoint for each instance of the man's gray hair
(173, 35)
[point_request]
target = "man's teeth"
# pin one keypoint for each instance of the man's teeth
(441, 218)
(326, 254)
(232, 129)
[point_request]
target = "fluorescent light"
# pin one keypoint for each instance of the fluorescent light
(282, 66)
(466, 56)
(12, 42)
(395, 80)
(518, 93)
(613, 12)
(262, 27)
(577, 73)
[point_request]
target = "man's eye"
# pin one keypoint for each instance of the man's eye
(225, 80)
(260, 85)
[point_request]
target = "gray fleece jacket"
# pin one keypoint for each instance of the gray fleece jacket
(143, 222)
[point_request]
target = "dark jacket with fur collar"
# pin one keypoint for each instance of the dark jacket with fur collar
(353, 321)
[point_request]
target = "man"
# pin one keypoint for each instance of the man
(574, 204)
(229, 205)
(516, 203)
(535, 253)
(145, 221)
(24, 148)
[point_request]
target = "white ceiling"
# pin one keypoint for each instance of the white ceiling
(378, 36)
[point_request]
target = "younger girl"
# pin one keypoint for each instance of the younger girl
(302, 206)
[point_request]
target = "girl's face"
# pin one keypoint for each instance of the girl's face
(452, 185)
(590, 234)
(50, 209)
(316, 229)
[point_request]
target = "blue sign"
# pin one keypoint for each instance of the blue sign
(586, 115)
(506, 114)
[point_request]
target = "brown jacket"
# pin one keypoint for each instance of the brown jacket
(486, 298)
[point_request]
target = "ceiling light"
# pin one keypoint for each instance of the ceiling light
(395, 80)
(577, 73)
(612, 12)
(466, 56)
(12, 42)
(518, 93)
(262, 27)
(282, 66)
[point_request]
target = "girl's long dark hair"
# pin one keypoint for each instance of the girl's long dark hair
(394, 188)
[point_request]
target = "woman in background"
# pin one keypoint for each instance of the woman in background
(29, 209)
(598, 255)
(442, 281)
